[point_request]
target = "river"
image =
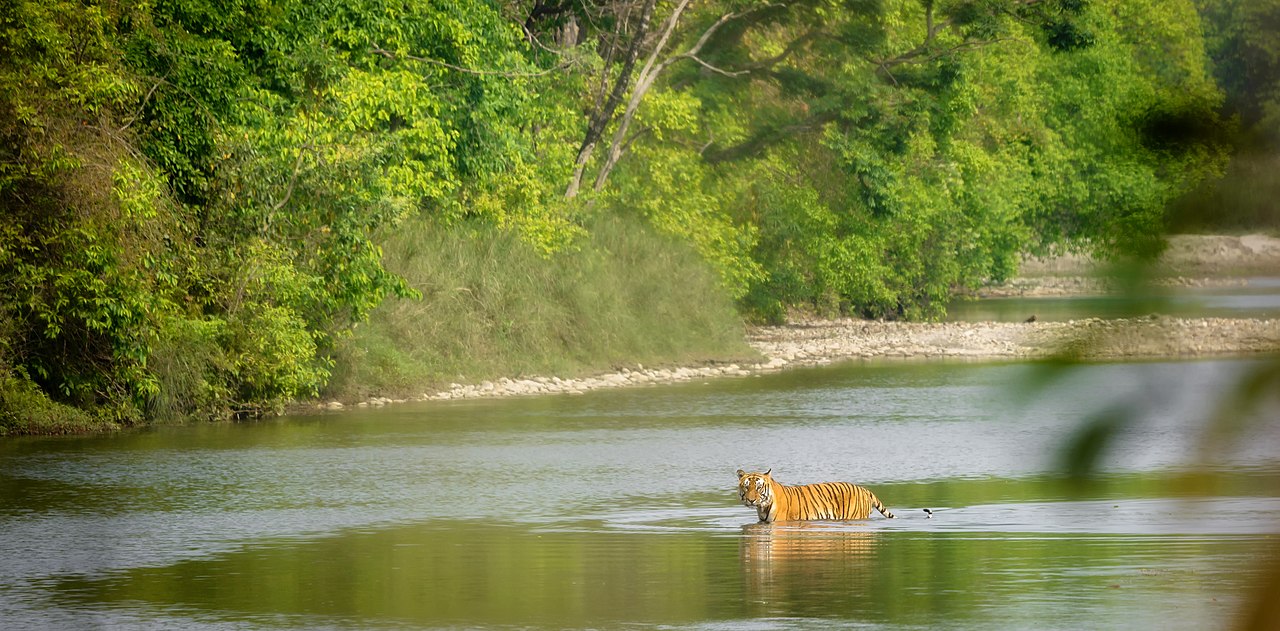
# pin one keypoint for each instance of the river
(618, 509)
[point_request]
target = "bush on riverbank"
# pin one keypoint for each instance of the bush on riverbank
(24, 409)
(491, 306)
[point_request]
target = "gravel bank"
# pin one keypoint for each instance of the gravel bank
(1092, 338)
(824, 342)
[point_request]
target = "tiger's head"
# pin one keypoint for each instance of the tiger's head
(755, 489)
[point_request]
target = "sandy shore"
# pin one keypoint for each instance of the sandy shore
(1190, 261)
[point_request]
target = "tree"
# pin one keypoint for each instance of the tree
(606, 105)
(936, 140)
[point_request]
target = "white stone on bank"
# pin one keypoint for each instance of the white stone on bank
(823, 343)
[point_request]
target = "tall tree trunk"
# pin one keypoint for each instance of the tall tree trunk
(601, 117)
(648, 75)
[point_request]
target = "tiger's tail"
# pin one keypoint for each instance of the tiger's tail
(875, 503)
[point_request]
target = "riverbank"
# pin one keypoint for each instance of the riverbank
(817, 342)
(1092, 338)
(1191, 260)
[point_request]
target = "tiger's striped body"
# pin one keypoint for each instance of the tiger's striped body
(775, 501)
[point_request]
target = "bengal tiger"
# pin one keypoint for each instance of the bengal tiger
(775, 501)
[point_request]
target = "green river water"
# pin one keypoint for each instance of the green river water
(617, 509)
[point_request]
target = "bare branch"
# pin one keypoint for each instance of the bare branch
(727, 73)
(537, 43)
(924, 53)
(143, 103)
(649, 74)
(602, 114)
(638, 133)
(644, 81)
(293, 180)
(791, 48)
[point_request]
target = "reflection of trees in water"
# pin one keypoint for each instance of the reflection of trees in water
(802, 568)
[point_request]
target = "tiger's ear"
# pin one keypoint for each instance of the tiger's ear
(769, 471)
(741, 473)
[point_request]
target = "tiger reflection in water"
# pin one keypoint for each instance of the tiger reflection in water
(807, 568)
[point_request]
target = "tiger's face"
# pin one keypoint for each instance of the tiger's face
(755, 489)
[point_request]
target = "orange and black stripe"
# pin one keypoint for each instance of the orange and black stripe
(826, 500)
(775, 501)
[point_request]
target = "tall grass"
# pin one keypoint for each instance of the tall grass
(492, 307)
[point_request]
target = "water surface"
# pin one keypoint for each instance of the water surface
(617, 509)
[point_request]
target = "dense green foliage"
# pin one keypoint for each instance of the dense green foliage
(904, 150)
(197, 195)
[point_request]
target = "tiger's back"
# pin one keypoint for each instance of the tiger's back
(828, 500)
(835, 501)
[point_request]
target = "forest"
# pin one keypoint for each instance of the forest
(212, 208)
